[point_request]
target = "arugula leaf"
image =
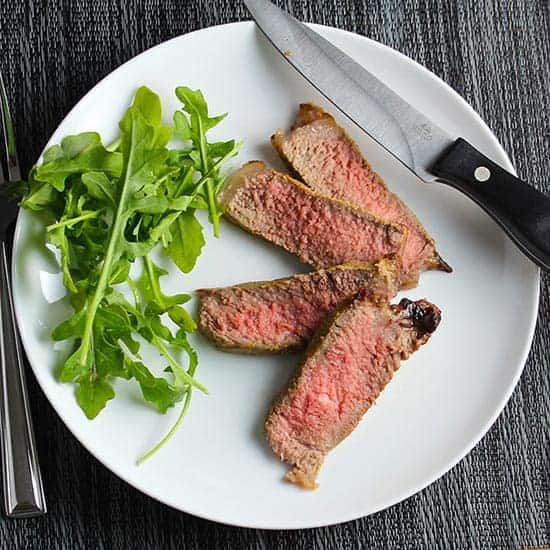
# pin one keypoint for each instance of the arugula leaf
(182, 128)
(187, 241)
(100, 187)
(155, 389)
(39, 195)
(158, 302)
(76, 155)
(180, 316)
(58, 238)
(195, 104)
(120, 272)
(72, 327)
(149, 285)
(92, 396)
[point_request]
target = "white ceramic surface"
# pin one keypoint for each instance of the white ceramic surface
(440, 403)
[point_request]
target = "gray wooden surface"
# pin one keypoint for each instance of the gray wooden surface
(493, 52)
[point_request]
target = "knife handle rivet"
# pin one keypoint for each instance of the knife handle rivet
(482, 173)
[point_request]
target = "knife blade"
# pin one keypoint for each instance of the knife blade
(411, 137)
(402, 130)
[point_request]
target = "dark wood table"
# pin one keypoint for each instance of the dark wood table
(495, 53)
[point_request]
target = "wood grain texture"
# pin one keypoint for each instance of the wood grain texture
(496, 54)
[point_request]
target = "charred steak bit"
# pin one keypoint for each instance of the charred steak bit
(283, 314)
(347, 366)
(320, 231)
(328, 161)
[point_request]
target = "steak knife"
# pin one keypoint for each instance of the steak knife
(422, 146)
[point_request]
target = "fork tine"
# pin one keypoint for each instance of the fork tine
(14, 173)
(2, 177)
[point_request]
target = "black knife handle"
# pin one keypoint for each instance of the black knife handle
(521, 210)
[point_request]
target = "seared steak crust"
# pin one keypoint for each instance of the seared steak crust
(347, 366)
(328, 161)
(283, 314)
(322, 232)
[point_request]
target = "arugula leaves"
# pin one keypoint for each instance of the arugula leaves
(206, 158)
(108, 206)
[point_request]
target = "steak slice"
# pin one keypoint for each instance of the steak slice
(347, 366)
(322, 232)
(328, 161)
(279, 315)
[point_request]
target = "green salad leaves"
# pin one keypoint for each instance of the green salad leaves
(109, 206)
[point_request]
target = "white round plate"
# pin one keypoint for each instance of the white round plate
(440, 403)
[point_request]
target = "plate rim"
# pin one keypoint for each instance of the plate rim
(480, 433)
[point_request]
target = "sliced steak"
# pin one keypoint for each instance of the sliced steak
(320, 231)
(347, 366)
(283, 314)
(328, 161)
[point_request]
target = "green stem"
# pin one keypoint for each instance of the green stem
(208, 175)
(203, 146)
(71, 221)
(213, 208)
(153, 281)
(135, 293)
(172, 431)
(176, 425)
(116, 230)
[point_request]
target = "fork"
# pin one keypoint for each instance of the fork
(22, 480)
